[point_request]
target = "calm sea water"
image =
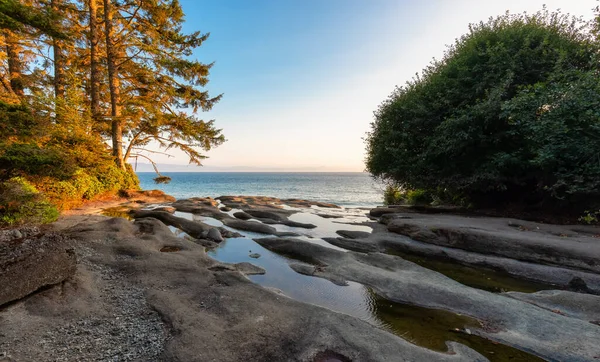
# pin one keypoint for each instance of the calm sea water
(341, 188)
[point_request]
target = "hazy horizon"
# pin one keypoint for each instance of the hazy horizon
(301, 79)
(174, 168)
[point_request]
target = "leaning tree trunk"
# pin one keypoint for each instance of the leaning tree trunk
(94, 66)
(113, 85)
(15, 66)
(59, 71)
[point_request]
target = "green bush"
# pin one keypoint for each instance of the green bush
(17, 120)
(66, 163)
(86, 184)
(21, 203)
(590, 217)
(418, 197)
(510, 114)
(31, 159)
(393, 195)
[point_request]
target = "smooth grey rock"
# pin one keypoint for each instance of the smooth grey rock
(361, 246)
(242, 215)
(352, 234)
(249, 269)
(507, 320)
(32, 263)
(533, 242)
(253, 226)
(576, 305)
(215, 235)
(195, 229)
(128, 299)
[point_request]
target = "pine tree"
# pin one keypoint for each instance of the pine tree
(14, 52)
(113, 83)
(162, 84)
(94, 62)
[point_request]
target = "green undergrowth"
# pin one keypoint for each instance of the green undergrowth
(21, 203)
(44, 170)
(395, 195)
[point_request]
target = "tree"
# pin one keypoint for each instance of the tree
(465, 125)
(161, 83)
(95, 76)
(14, 52)
(77, 75)
(113, 85)
(16, 16)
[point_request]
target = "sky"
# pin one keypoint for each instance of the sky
(301, 78)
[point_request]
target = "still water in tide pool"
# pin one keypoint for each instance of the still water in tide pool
(430, 328)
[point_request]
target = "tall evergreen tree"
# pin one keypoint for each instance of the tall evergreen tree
(14, 52)
(113, 83)
(95, 76)
(164, 86)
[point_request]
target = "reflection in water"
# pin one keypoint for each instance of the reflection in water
(430, 328)
(350, 300)
(118, 211)
(480, 278)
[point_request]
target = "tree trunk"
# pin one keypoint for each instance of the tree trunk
(15, 66)
(113, 85)
(59, 71)
(94, 69)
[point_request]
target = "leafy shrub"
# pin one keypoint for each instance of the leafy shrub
(31, 159)
(509, 114)
(590, 217)
(16, 119)
(64, 161)
(21, 203)
(393, 195)
(86, 184)
(418, 197)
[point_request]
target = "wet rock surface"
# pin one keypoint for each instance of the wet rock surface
(384, 241)
(352, 234)
(248, 202)
(531, 247)
(195, 229)
(240, 221)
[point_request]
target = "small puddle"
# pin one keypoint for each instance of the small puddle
(477, 277)
(118, 211)
(431, 328)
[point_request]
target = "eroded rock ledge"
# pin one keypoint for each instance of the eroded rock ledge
(544, 332)
(567, 256)
(33, 261)
(128, 300)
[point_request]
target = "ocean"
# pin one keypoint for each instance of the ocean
(349, 189)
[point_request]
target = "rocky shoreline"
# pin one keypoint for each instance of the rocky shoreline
(124, 290)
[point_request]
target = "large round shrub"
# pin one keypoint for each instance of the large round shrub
(511, 113)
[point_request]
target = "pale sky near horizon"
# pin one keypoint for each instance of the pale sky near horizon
(301, 79)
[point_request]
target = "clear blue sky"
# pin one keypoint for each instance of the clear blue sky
(301, 78)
